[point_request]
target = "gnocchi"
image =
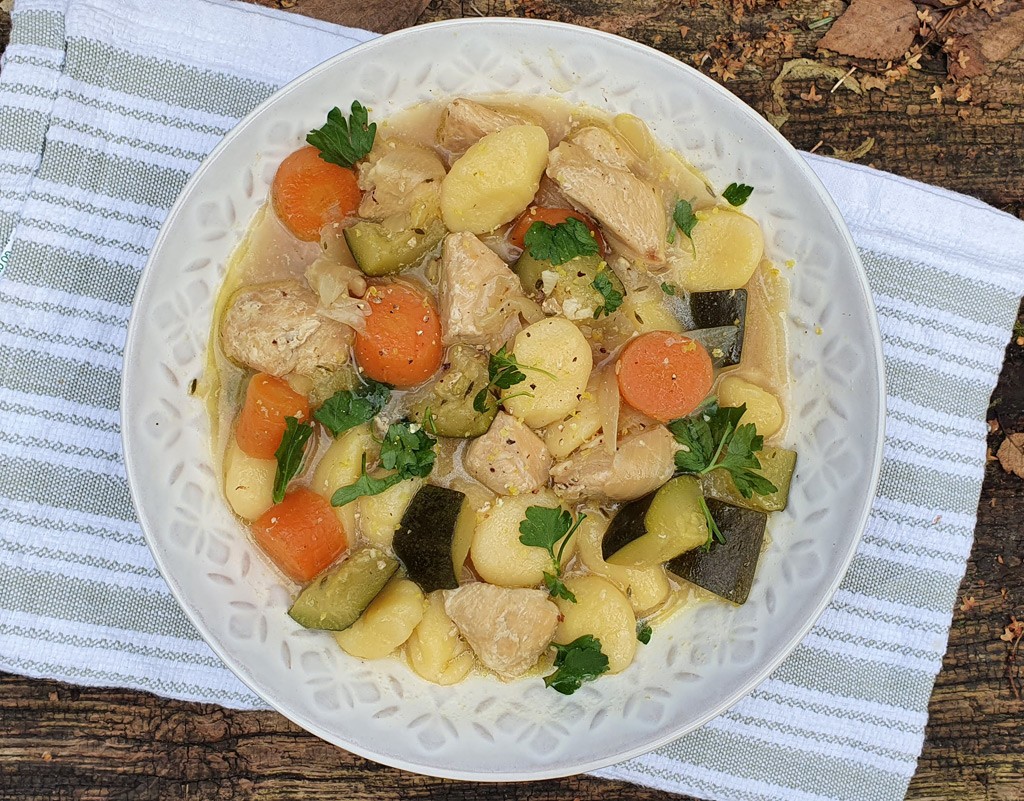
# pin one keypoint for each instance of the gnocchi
(726, 248)
(387, 623)
(602, 611)
(763, 408)
(248, 482)
(435, 649)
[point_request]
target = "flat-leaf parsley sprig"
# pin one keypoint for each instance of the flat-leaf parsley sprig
(344, 142)
(609, 294)
(544, 527)
(560, 243)
(503, 372)
(350, 407)
(406, 449)
(289, 454)
(737, 194)
(579, 661)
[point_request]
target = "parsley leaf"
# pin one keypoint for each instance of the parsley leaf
(543, 528)
(579, 661)
(667, 288)
(737, 194)
(560, 243)
(643, 633)
(684, 218)
(348, 408)
(406, 449)
(341, 142)
(714, 532)
(612, 297)
(712, 439)
(289, 454)
(503, 372)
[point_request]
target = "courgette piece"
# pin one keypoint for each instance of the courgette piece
(720, 308)
(338, 596)
(425, 541)
(658, 527)
(450, 398)
(777, 465)
(379, 250)
(574, 288)
(726, 568)
(724, 344)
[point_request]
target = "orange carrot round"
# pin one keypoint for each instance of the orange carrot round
(261, 423)
(401, 343)
(664, 375)
(308, 193)
(301, 535)
(551, 216)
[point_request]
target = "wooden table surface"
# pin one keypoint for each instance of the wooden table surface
(59, 741)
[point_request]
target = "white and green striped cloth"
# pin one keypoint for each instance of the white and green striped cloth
(106, 108)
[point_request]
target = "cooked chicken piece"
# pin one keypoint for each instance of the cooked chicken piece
(509, 459)
(628, 209)
(404, 176)
(508, 629)
(477, 291)
(275, 328)
(605, 147)
(641, 464)
(464, 122)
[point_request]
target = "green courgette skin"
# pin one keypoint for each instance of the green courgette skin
(337, 597)
(726, 569)
(450, 398)
(423, 541)
(777, 465)
(720, 319)
(724, 343)
(627, 525)
(380, 251)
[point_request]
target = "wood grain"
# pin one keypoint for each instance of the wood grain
(62, 742)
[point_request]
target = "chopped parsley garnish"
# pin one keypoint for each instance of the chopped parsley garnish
(667, 288)
(579, 661)
(737, 194)
(612, 297)
(713, 439)
(543, 528)
(560, 243)
(503, 372)
(684, 218)
(643, 633)
(289, 454)
(714, 532)
(348, 408)
(407, 449)
(341, 142)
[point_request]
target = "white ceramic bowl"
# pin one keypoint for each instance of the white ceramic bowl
(702, 661)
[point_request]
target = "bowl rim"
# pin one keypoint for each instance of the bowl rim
(136, 322)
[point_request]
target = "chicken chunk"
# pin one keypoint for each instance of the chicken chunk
(403, 177)
(641, 463)
(605, 147)
(509, 459)
(276, 328)
(476, 293)
(630, 210)
(508, 629)
(464, 122)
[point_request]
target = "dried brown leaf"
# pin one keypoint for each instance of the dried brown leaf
(873, 29)
(983, 36)
(1011, 454)
(1014, 631)
(968, 604)
(802, 69)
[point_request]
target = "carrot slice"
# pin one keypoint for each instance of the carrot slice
(664, 375)
(551, 216)
(308, 193)
(401, 343)
(261, 423)
(301, 535)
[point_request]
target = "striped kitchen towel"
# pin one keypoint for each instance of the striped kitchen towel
(107, 107)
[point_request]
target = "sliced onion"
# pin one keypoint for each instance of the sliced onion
(608, 405)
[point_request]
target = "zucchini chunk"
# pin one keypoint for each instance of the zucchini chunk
(720, 318)
(660, 526)
(379, 250)
(724, 343)
(727, 568)
(450, 398)
(426, 539)
(571, 285)
(338, 596)
(777, 465)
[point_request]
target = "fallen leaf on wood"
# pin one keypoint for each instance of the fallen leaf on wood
(1011, 454)
(980, 39)
(968, 604)
(802, 69)
(812, 96)
(1014, 631)
(873, 29)
(858, 152)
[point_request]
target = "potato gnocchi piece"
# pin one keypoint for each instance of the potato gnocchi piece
(498, 555)
(248, 482)
(650, 315)
(340, 466)
(378, 516)
(645, 587)
(602, 611)
(555, 346)
(726, 249)
(495, 180)
(435, 649)
(763, 408)
(387, 623)
(580, 425)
